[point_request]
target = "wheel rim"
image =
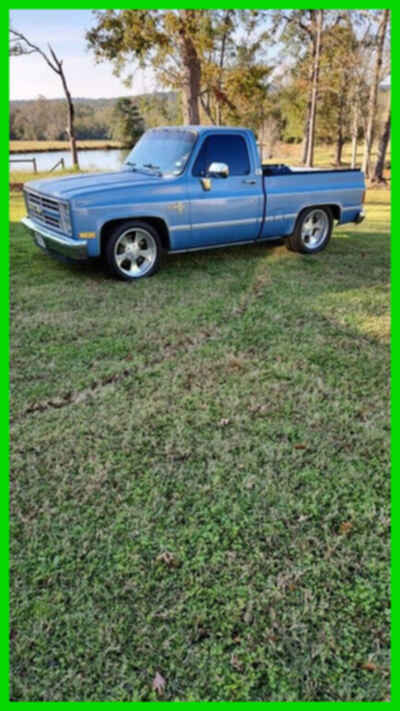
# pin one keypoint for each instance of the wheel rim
(314, 229)
(135, 252)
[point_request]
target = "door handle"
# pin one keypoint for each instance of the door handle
(249, 181)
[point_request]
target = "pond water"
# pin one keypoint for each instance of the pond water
(98, 159)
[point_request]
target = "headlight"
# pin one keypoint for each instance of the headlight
(65, 215)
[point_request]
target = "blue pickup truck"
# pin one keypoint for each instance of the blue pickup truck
(187, 188)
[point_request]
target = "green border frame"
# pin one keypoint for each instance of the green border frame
(4, 286)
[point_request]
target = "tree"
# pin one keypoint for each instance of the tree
(127, 124)
(171, 41)
(246, 88)
(221, 29)
(372, 103)
(340, 84)
(20, 45)
(224, 31)
(315, 67)
(303, 33)
(382, 148)
(235, 74)
(158, 109)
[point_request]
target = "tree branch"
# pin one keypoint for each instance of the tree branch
(35, 48)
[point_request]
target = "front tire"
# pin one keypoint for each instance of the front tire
(133, 251)
(312, 232)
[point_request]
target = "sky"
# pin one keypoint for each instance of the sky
(30, 76)
(65, 30)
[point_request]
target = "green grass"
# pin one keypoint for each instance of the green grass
(200, 482)
(39, 146)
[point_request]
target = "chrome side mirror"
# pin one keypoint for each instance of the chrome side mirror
(218, 170)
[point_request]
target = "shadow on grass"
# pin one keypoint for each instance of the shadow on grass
(221, 262)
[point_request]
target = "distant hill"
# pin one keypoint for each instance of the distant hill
(101, 101)
(45, 119)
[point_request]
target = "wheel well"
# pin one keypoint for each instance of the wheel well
(335, 210)
(155, 222)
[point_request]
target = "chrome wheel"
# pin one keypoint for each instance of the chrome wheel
(135, 252)
(314, 229)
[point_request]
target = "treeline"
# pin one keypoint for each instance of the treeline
(45, 119)
(293, 75)
(310, 75)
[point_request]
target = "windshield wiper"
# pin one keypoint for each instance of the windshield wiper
(145, 165)
(152, 167)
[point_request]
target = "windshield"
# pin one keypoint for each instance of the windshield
(162, 150)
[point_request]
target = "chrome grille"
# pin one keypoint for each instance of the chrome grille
(43, 209)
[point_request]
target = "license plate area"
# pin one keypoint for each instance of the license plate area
(39, 240)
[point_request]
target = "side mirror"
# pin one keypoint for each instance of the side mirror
(218, 170)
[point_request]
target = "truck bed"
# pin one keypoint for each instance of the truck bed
(283, 169)
(288, 191)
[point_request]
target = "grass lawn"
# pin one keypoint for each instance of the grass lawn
(200, 474)
(39, 146)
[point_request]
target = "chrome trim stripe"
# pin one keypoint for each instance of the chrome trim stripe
(226, 223)
(318, 190)
(220, 223)
(176, 228)
(288, 216)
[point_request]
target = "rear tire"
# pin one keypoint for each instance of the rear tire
(133, 251)
(312, 232)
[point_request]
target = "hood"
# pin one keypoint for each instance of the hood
(75, 186)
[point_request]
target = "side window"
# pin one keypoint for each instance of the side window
(230, 149)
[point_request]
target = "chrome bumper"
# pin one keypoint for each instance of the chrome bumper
(56, 243)
(360, 217)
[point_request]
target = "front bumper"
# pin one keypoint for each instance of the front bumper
(60, 244)
(360, 217)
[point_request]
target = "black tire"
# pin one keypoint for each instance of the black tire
(141, 245)
(311, 240)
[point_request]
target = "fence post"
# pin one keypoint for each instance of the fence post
(34, 165)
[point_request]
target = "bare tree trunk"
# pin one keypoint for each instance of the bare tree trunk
(354, 134)
(314, 94)
(206, 107)
(262, 139)
(339, 135)
(71, 117)
(307, 123)
(56, 65)
(191, 86)
(339, 148)
(383, 144)
(192, 72)
(369, 137)
(221, 68)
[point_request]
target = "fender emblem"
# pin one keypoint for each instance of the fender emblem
(177, 206)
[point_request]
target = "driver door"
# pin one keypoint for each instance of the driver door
(225, 209)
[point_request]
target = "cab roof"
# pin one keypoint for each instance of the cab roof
(201, 128)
